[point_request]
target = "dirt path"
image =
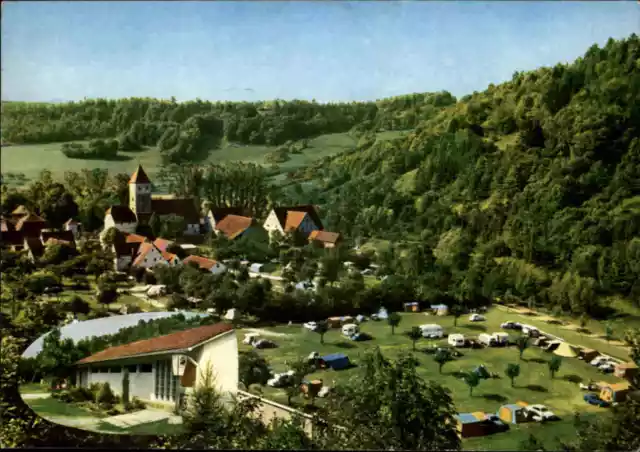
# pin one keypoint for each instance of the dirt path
(142, 417)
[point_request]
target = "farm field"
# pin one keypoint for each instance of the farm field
(534, 385)
(31, 159)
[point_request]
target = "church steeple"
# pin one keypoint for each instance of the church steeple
(140, 192)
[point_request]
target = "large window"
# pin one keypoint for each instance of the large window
(146, 368)
(165, 382)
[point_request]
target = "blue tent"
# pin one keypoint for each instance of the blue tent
(336, 361)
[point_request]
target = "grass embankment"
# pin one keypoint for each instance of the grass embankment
(534, 385)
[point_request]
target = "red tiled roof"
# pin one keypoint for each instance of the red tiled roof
(202, 262)
(139, 177)
(234, 225)
(282, 214)
(122, 214)
(169, 257)
(324, 236)
(162, 244)
(294, 220)
(170, 342)
(219, 213)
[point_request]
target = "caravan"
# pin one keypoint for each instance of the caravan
(456, 340)
(432, 331)
(350, 329)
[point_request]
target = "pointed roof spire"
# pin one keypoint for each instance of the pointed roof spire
(139, 177)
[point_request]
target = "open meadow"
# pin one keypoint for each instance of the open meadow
(534, 385)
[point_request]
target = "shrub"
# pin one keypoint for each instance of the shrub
(113, 411)
(63, 396)
(105, 395)
(137, 404)
(81, 394)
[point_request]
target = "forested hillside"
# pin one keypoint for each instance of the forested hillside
(182, 131)
(530, 187)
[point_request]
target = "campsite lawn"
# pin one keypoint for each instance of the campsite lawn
(534, 385)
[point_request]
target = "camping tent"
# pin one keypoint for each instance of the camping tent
(383, 314)
(360, 318)
(513, 413)
(614, 392)
(412, 307)
(336, 361)
(440, 309)
(553, 345)
(588, 354)
(567, 350)
(481, 371)
(472, 424)
(231, 314)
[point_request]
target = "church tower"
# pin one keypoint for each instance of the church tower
(140, 192)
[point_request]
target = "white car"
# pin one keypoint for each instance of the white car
(280, 380)
(530, 330)
(311, 326)
(476, 318)
(607, 367)
(600, 360)
(541, 412)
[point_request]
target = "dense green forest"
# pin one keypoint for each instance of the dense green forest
(530, 187)
(186, 131)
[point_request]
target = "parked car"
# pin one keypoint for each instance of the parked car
(599, 360)
(350, 329)
(498, 425)
(607, 367)
(310, 326)
(511, 326)
(264, 343)
(530, 330)
(476, 318)
(541, 413)
(593, 399)
(588, 387)
(432, 331)
(281, 380)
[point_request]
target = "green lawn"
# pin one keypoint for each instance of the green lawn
(534, 385)
(50, 408)
(33, 388)
(152, 428)
(31, 159)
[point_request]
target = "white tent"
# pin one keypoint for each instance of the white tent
(231, 314)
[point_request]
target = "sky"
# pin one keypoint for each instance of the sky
(100, 327)
(262, 50)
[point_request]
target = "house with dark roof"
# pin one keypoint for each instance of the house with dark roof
(325, 239)
(142, 206)
(167, 368)
(303, 218)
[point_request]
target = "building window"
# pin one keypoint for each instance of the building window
(146, 368)
(165, 382)
(115, 369)
(133, 368)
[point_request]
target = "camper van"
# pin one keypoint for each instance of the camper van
(530, 330)
(501, 338)
(350, 329)
(432, 331)
(487, 339)
(456, 340)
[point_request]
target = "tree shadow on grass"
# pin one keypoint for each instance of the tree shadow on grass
(344, 344)
(495, 397)
(535, 360)
(573, 378)
(536, 388)
(475, 327)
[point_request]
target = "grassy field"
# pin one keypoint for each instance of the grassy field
(31, 159)
(534, 385)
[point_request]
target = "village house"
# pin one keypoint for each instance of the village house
(302, 218)
(236, 226)
(216, 214)
(142, 205)
(205, 264)
(167, 368)
(134, 250)
(325, 239)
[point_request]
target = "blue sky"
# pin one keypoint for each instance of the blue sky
(330, 51)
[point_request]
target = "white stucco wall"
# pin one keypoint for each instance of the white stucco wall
(152, 258)
(122, 263)
(272, 224)
(114, 380)
(129, 228)
(141, 384)
(222, 354)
